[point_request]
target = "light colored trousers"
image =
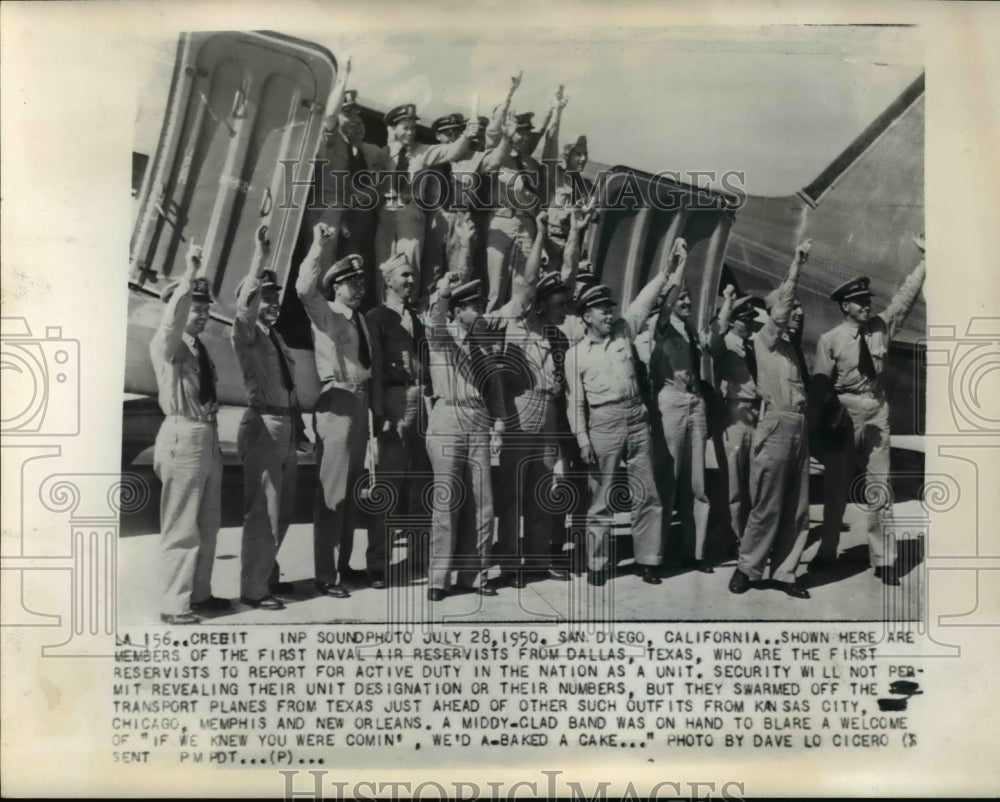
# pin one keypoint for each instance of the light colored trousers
(266, 446)
(188, 461)
(779, 489)
(867, 451)
(682, 415)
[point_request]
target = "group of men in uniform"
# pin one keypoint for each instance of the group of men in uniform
(454, 352)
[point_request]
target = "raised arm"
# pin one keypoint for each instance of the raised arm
(523, 290)
(899, 307)
(784, 296)
(168, 340)
(494, 158)
(336, 97)
(248, 299)
(493, 130)
(719, 327)
(579, 219)
(660, 292)
(307, 284)
(455, 151)
(437, 313)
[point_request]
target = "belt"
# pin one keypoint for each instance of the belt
(691, 388)
(411, 383)
(794, 409)
(471, 403)
(630, 401)
(353, 387)
(210, 418)
(864, 394)
(505, 212)
(269, 409)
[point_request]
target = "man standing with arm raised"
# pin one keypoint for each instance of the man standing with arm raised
(340, 417)
(779, 473)
(850, 364)
(610, 421)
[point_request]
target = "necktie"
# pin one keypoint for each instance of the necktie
(801, 360)
(206, 390)
(364, 355)
(866, 365)
(403, 160)
(286, 374)
(751, 358)
(356, 161)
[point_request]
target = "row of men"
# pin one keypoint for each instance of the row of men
(466, 204)
(581, 374)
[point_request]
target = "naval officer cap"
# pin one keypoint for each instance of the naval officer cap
(524, 121)
(397, 261)
(401, 114)
(346, 269)
(598, 295)
(585, 279)
(467, 293)
(268, 282)
(853, 290)
(201, 292)
(746, 308)
(448, 123)
(579, 143)
(549, 285)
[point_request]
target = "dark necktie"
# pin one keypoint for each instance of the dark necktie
(286, 374)
(403, 160)
(356, 161)
(206, 390)
(364, 355)
(751, 358)
(866, 365)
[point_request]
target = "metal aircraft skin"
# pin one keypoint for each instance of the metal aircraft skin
(861, 213)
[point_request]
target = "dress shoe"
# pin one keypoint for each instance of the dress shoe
(596, 578)
(703, 565)
(179, 619)
(267, 603)
(376, 581)
(330, 589)
(794, 589)
(887, 574)
(212, 604)
(559, 574)
(436, 594)
(740, 583)
(818, 566)
(282, 588)
(648, 574)
(489, 589)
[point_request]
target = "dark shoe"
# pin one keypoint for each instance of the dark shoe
(376, 581)
(282, 588)
(267, 603)
(329, 589)
(648, 574)
(489, 589)
(818, 565)
(740, 583)
(596, 578)
(212, 604)
(559, 574)
(179, 619)
(510, 579)
(887, 574)
(794, 589)
(436, 594)
(704, 566)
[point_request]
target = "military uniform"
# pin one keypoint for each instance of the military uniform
(607, 414)
(266, 439)
(674, 376)
(735, 368)
(342, 201)
(402, 223)
(512, 227)
(340, 416)
(534, 357)
(186, 458)
(851, 361)
(399, 346)
(467, 398)
(440, 199)
(776, 528)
